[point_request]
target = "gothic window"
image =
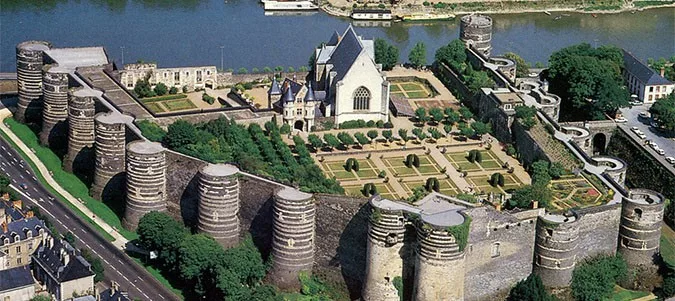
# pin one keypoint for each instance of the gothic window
(361, 99)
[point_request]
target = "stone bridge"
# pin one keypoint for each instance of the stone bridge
(593, 136)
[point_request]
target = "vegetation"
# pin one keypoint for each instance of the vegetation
(412, 160)
(360, 123)
(432, 184)
(667, 66)
(369, 189)
(142, 88)
(461, 232)
(664, 109)
(253, 149)
(526, 115)
(522, 67)
(385, 54)
(418, 55)
(208, 98)
(595, 278)
(161, 89)
(497, 179)
(398, 284)
(530, 289)
(417, 194)
(201, 264)
(588, 80)
(453, 54)
(541, 172)
(151, 130)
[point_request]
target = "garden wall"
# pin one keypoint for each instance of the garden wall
(528, 149)
(598, 230)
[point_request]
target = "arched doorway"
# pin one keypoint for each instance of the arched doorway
(599, 142)
(298, 125)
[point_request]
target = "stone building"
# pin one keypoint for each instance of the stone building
(348, 82)
(644, 82)
(476, 31)
(16, 284)
(499, 108)
(298, 103)
(61, 270)
(20, 235)
(191, 77)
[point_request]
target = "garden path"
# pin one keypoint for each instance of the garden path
(455, 176)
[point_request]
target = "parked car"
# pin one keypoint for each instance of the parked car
(660, 152)
(670, 160)
(642, 135)
(23, 186)
(533, 74)
(644, 114)
(635, 103)
(654, 124)
(620, 120)
(654, 146)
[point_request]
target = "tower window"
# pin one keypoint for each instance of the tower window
(361, 99)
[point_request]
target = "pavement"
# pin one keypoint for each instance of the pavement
(665, 143)
(118, 266)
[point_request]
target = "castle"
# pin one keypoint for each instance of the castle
(439, 248)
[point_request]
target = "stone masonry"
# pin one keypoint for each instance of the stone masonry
(55, 106)
(81, 130)
(110, 155)
(146, 181)
(219, 203)
(29, 77)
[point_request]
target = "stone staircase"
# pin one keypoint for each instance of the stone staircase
(555, 149)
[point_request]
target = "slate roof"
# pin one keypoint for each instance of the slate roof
(10, 210)
(334, 39)
(309, 96)
(289, 94)
(644, 74)
(117, 295)
(346, 53)
(274, 89)
(50, 260)
(15, 278)
(21, 227)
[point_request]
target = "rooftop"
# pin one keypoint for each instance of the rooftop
(436, 209)
(508, 97)
(220, 170)
(51, 258)
(70, 58)
(22, 227)
(15, 278)
(145, 147)
(640, 70)
(293, 194)
(113, 118)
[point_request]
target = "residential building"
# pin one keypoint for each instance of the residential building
(16, 284)
(499, 108)
(179, 77)
(644, 82)
(61, 270)
(20, 235)
(298, 103)
(354, 85)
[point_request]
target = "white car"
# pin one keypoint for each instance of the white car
(635, 129)
(533, 74)
(644, 114)
(654, 146)
(670, 160)
(660, 152)
(620, 120)
(641, 135)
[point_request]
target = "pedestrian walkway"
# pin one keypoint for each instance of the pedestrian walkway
(119, 241)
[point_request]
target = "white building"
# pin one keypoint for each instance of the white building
(298, 103)
(179, 77)
(643, 81)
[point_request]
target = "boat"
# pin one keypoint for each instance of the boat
(427, 17)
(288, 5)
(547, 12)
(557, 18)
(371, 14)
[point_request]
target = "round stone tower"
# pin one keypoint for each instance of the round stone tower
(54, 105)
(640, 227)
(29, 78)
(293, 237)
(476, 30)
(81, 140)
(615, 168)
(439, 270)
(219, 203)
(386, 233)
(555, 250)
(109, 153)
(146, 181)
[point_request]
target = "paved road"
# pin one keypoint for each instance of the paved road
(118, 266)
(665, 143)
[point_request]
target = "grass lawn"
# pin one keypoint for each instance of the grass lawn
(490, 165)
(158, 275)
(429, 169)
(384, 189)
(179, 104)
(622, 294)
(400, 93)
(68, 181)
(394, 88)
(155, 107)
(667, 248)
(367, 174)
(163, 98)
(417, 94)
(411, 86)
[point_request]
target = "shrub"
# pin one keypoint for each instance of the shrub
(409, 160)
(472, 156)
(349, 164)
(530, 289)
(208, 98)
(595, 279)
(494, 179)
(173, 90)
(356, 165)
(416, 160)
(549, 129)
(370, 123)
(388, 125)
(426, 3)
(382, 174)
(669, 286)
(381, 5)
(161, 89)
(440, 5)
(510, 150)
(285, 129)
(479, 156)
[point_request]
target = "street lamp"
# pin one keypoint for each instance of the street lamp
(222, 47)
(122, 47)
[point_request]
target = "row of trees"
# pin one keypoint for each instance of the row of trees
(664, 109)
(454, 55)
(449, 116)
(541, 172)
(252, 148)
(277, 69)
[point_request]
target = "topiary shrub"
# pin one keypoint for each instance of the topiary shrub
(500, 180)
(416, 160)
(472, 156)
(355, 165)
(479, 156)
(349, 164)
(409, 160)
(494, 179)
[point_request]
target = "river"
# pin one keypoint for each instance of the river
(191, 32)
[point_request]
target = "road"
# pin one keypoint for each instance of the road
(118, 266)
(665, 143)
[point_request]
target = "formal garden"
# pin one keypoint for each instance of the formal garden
(462, 162)
(576, 191)
(411, 89)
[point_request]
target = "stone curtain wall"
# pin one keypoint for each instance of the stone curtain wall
(181, 186)
(527, 147)
(490, 277)
(598, 231)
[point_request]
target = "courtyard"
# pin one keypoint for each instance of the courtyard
(571, 191)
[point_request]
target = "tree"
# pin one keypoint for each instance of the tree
(481, 128)
(403, 133)
(465, 113)
(291, 69)
(96, 264)
(452, 117)
(418, 55)
(361, 138)
(345, 138)
(530, 289)
(151, 130)
(4, 182)
(448, 129)
(540, 173)
(669, 286)
(199, 256)
(421, 114)
(436, 114)
(435, 133)
(467, 131)
(523, 196)
(267, 70)
(385, 54)
(556, 170)
(387, 134)
(180, 133)
(372, 134)
(173, 90)
(664, 109)
(595, 278)
(315, 141)
(242, 70)
(142, 88)
(588, 80)
(331, 140)
(159, 232)
(477, 80)
(285, 129)
(523, 112)
(161, 89)
(255, 70)
(453, 54)
(419, 134)
(522, 67)
(41, 298)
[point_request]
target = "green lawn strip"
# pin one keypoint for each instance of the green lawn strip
(155, 107)
(409, 86)
(67, 181)
(404, 171)
(179, 105)
(162, 98)
(51, 190)
(158, 275)
(418, 94)
(428, 169)
(490, 165)
(394, 88)
(367, 174)
(344, 175)
(651, 3)
(622, 294)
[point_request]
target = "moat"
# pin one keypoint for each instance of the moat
(141, 29)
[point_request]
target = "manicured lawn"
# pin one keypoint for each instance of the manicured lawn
(68, 181)
(622, 294)
(384, 189)
(667, 248)
(410, 86)
(417, 94)
(394, 88)
(367, 174)
(163, 98)
(490, 165)
(428, 169)
(179, 104)
(405, 171)
(155, 107)
(400, 93)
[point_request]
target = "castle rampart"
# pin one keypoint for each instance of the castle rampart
(640, 229)
(81, 129)
(293, 237)
(110, 150)
(29, 64)
(555, 249)
(219, 203)
(439, 270)
(146, 181)
(55, 105)
(476, 30)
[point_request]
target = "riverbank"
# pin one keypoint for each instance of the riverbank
(343, 8)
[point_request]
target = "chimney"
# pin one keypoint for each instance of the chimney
(535, 204)
(663, 71)
(97, 294)
(30, 214)
(17, 204)
(113, 288)
(4, 227)
(65, 257)
(51, 242)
